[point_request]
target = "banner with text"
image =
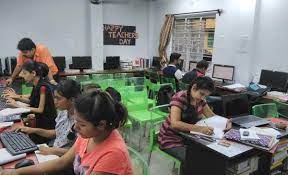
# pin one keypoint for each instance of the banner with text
(119, 35)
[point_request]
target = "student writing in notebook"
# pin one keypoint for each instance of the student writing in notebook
(63, 137)
(187, 108)
(99, 148)
(40, 102)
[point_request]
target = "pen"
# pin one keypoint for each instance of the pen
(207, 126)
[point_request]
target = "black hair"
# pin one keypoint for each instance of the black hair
(202, 65)
(205, 83)
(174, 56)
(26, 44)
(69, 89)
(99, 105)
(41, 69)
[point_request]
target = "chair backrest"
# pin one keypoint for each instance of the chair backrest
(265, 110)
(171, 80)
(136, 98)
(183, 86)
(282, 108)
(101, 76)
(135, 81)
(81, 78)
(139, 165)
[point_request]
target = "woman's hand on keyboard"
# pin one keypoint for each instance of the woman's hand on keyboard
(10, 93)
(24, 129)
(11, 102)
(8, 172)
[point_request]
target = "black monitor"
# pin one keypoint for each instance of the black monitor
(192, 65)
(60, 62)
(82, 62)
(278, 81)
(112, 62)
(235, 105)
(223, 72)
(156, 63)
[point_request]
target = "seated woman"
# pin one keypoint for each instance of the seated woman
(64, 96)
(187, 108)
(99, 149)
(40, 102)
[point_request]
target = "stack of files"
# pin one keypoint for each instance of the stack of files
(279, 95)
(265, 142)
(13, 111)
(6, 157)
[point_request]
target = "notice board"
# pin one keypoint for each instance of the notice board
(119, 35)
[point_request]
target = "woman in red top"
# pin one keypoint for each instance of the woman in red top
(99, 149)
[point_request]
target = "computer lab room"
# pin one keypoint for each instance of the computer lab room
(143, 87)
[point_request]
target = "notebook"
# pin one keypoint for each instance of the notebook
(43, 158)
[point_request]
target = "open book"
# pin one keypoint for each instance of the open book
(216, 122)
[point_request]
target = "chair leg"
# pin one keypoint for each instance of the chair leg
(149, 157)
(144, 129)
(139, 144)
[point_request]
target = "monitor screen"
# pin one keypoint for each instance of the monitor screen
(82, 62)
(192, 65)
(60, 62)
(156, 62)
(278, 81)
(223, 72)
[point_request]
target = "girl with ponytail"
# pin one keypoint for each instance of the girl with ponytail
(187, 107)
(99, 148)
(40, 101)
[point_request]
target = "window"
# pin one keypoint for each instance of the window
(193, 38)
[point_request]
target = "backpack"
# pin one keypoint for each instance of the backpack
(114, 94)
(164, 96)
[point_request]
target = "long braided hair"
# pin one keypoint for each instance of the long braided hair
(203, 83)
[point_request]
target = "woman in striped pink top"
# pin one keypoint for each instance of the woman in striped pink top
(187, 107)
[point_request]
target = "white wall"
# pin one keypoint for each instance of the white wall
(271, 37)
(233, 27)
(63, 26)
(130, 13)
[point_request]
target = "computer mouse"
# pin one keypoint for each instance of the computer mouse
(24, 163)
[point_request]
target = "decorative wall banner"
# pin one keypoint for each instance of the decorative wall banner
(119, 35)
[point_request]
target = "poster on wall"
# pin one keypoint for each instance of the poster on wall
(119, 35)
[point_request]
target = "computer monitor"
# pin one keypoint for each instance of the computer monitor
(60, 63)
(192, 65)
(156, 63)
(82, 62)
(181, 64)
(223, 72)
(235, 105)
(278, 81)
(112, 62)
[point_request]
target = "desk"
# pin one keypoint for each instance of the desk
(202, 160)
(31, 156)
(89, 72)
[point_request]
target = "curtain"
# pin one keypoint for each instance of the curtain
(165, 35)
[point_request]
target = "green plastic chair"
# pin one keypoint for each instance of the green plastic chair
(265, 110)
(282, 108)
(101, 76)
(102, 83)
(135, 81)
(81, 78)
(126, 131)
(154, 146)
(139, 165)
(137, 105)
(71, 77)
(116, 83)
(183, 86)
(26, 89)
(169, 80)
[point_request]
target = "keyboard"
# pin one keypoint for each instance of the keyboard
(17, 142)
(10, 118)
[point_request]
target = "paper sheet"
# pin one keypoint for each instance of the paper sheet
(252, 134)
(6, 157)
(234, 86)
(5, 124)
(217, 122)
(43, 158)
(13, 111)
